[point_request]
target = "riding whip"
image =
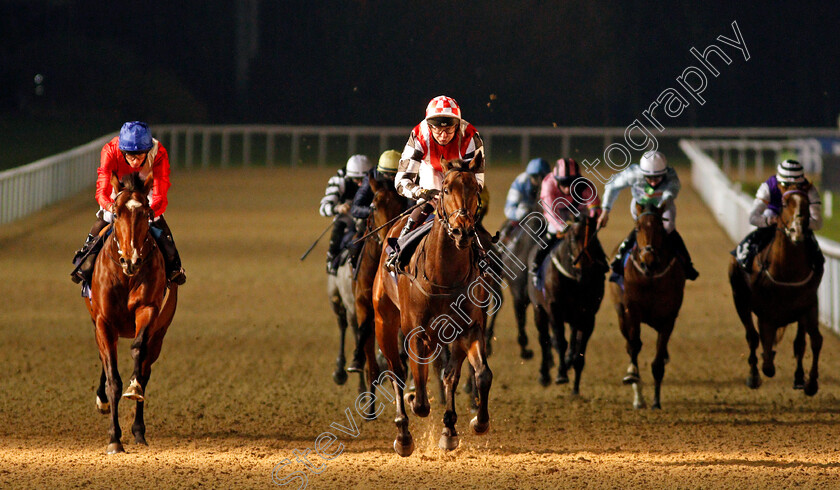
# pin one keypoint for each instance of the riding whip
(371, 232)
(318, 239)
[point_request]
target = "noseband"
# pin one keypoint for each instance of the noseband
(786, 226)
(142, 245)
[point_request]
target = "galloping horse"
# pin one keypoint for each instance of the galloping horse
(420, 303)
(342, 300)
(652, 293)
(780, 289)
(574, 288)
(127, 300)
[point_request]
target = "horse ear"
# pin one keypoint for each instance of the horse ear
(374, 185)
(148, 183)
(477, 161)
(115, 182)
(639, 209)
(446, 165)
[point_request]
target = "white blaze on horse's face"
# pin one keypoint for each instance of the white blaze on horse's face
(133, 204)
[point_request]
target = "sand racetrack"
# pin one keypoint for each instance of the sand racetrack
(244, 378)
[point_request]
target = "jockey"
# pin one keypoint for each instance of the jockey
(442, 135)
(524, 192)
(383, 174)
(565, 194)
(768, 205)
(337, 200)
(650, 180)
(133, 151)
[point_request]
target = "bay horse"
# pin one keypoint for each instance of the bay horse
(781, 288)
(652, 292)
(128, 298)
(574, 288)
(419, 303)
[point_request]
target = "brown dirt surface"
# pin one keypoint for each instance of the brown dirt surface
(245, 374)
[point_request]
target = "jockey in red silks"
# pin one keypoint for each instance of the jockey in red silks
(442, 135)
(767, 206)
(133, 151)
(564, 195)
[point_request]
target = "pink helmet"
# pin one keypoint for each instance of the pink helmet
(566, 170)
(443, 107)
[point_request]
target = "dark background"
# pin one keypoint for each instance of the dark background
(507, 62)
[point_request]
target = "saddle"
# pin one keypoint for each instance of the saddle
(406, 245)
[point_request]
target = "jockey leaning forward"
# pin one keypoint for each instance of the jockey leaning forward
(337, 201)
(651, 180)
(790, 176)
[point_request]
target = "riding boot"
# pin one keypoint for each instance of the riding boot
(683, 255)
(392, 258)
(540, 257)
(85, 257)
(617, 265)
(171, 258)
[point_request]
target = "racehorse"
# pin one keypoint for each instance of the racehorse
(574, 288)
(781, 288)
(652, 292)
(127, 300)
(419, 303)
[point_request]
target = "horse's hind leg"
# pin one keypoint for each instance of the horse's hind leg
(741, 298)
(541, 321)
(799, 353)
(558, 328)
(480, 424)
(659, 361)
(113, 384)
(101, 397)
(451, 375)
(812, 322)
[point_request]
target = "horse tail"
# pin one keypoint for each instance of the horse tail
(780, 332)
(167, 310)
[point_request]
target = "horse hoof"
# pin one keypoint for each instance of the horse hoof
(134, 392)
(639, 405)
(115, 448)
(754, 381)
(561, 379)
(526, 354)
(811, 388)
(479, 428)
(799, 385)
(404, 450)
(575, 392)
(769, 370)
(545, 379)
(656, 406)
(140, 439)
(448, 443)
(630, 379)
(103, 407)
(340, 376)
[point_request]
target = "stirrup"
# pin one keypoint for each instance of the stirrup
(391, 263)
(178, 277)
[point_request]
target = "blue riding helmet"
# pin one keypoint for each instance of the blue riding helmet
(135, 136)
(538, 166)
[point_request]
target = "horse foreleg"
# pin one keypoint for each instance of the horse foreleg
(372, 372)
(630, 328)
(144, 320)
(340, 375)
(480, 424)
(558, 328)
(520, 310)
(107, 344)
(768, 337)
(541, 321)
(419, 400)
(812, 322)
(451, 375)
(798, 354)
(657, 367)
(581, 334)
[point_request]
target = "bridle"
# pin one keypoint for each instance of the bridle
(445, 217)
(648, 250)
(786, 226)
(120, 254)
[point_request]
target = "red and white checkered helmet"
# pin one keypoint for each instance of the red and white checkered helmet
(443, 106)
